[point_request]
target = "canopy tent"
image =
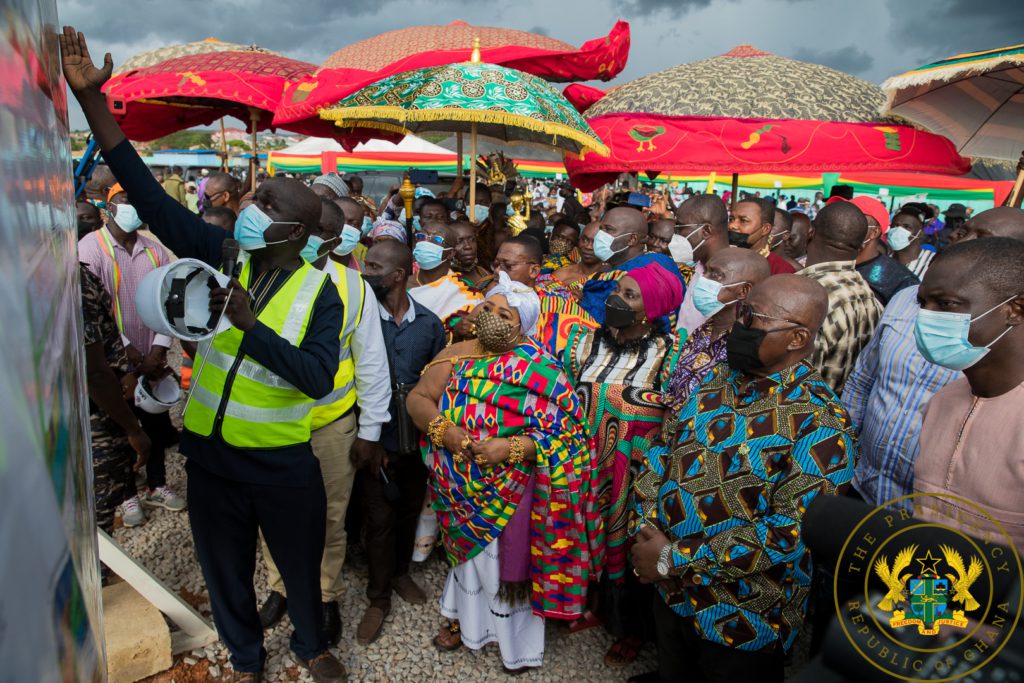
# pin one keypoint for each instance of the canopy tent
(323, 155)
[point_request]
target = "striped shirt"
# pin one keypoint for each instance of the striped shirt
(93, 252)
(919, 266)
(886, 395)
(853, 312)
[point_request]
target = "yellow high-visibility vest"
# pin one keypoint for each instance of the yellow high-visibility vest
(249, 405)
(343, 397)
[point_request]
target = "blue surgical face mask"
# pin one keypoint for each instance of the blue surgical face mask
(899, 238)
(428, 255)
(126, 217)
(705, 296)
(311, 252)
(251, 228)
(367, 225)
(942, 337)
(603, 246)
(480, 213)
(350, 236)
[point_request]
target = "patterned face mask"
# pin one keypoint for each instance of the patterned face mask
(495, 334)
(559, 246)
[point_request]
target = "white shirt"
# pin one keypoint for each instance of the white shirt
(373, 379)
(689, 317)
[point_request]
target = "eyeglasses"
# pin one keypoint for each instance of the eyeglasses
(745, 315)
(424, 237)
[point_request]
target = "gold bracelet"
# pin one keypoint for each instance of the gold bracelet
(516, 450)
(436, 429)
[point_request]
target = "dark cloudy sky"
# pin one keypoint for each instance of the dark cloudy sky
(872, 39)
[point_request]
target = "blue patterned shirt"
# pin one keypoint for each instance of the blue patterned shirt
(749, 456)
(886, 394)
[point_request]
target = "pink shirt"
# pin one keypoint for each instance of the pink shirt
(973, 448)
(92, 251)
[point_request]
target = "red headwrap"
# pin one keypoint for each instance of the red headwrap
(661, 290)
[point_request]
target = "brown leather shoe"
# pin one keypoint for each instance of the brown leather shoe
(409, 590)
(371, 624)
(325, 668)
(246, 677)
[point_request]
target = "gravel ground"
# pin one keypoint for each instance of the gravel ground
(403, 652)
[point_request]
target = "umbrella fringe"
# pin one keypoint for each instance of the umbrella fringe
(946, 74)
(357, 116)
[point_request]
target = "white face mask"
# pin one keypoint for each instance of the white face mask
(682, 250)
(126, 217)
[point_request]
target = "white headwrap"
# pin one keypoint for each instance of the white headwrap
(521, 298)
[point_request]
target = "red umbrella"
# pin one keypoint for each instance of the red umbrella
(795, 116)
(362, 63)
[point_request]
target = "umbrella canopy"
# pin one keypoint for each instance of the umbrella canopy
(199, 47)
(804, 118)
(362, 63)
(485, 99)
(974, 99)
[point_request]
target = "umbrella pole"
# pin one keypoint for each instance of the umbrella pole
(458, 153)
(1017, 193)
(735, 188)
(472, 168)
(254, 117)
(223, 147)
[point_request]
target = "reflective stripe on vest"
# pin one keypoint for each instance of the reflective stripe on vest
(262, 410)
(341, 399)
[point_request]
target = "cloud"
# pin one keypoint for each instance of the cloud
(632, 8)
(849, 59)
(935, 29)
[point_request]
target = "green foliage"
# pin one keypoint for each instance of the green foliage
(238, 144)
(184, 139)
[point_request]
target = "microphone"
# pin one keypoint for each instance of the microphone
(229, 257)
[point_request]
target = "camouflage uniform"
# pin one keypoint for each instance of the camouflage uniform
(112, 456)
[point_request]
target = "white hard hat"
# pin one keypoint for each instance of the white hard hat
(159, 397)
(175, 300)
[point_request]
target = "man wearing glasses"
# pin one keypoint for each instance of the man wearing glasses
(222, 189)
(435, 286)
(718, 513)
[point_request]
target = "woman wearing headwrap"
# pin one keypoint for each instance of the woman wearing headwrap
(505, 439)
(385, 229)
(618, 371)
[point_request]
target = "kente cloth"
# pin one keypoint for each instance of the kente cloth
(555, 261)
(620, 390)
(548, 281)
(521, 393)
(559, 312)
(446, 297)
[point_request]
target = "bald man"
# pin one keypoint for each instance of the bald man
(729, 276)
(620, 242)
(892, 382)
(796, 245)
(839, 232)
(743, 420)
(222, 189)
(703, 223)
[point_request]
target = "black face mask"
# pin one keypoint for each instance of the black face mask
(376, 283)
(84, 228)
(617, 312)
(739, 239)
(741, 347)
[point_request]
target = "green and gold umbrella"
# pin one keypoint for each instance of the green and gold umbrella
(472, 97)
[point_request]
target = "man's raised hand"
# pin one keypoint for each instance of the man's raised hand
(79, 70)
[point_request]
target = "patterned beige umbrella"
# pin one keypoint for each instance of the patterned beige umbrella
(162, 54)
(746, 83)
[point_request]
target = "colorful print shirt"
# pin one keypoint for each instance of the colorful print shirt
(730, 493)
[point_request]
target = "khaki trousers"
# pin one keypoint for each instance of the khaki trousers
(332, 445)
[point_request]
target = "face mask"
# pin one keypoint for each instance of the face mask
(899, 238)
(617, 312)
(494, 334)
(349, 240)
(559, 246)
(127, 218)
(367, 225)
(428, 255)
(941, 337)
(376, 284)
(705, 296)
(741, 347)
(739, 239)
(480, 213)
(775, 241)
(603, 246)
(251, 228)
(311, 252)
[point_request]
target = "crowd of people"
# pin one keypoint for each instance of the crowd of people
(612, 415)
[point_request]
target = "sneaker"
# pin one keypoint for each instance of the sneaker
(131, 512)
(164, 497)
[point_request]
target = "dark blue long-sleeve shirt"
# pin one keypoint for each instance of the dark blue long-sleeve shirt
(310, 367)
